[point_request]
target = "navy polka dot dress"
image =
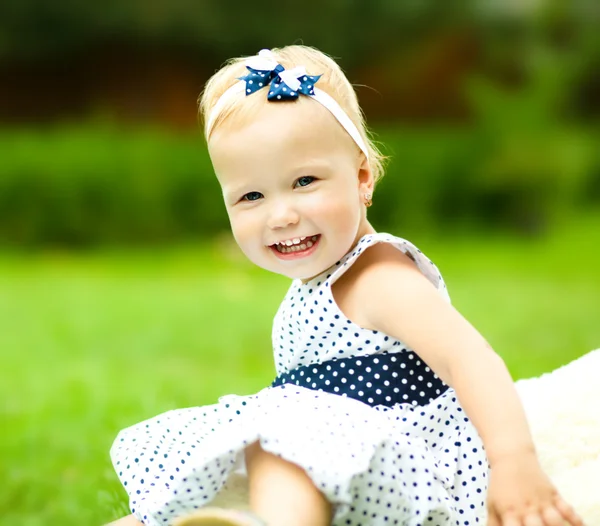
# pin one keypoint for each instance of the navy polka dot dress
(381, 436)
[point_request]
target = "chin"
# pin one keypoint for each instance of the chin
(289, 273)
(294, 273)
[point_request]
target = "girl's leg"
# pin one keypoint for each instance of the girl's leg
(281, 493)
(130, 520)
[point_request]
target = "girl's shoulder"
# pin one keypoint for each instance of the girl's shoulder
(379, 265)
(383, 248)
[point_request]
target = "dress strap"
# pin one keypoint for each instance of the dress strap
(424, 264)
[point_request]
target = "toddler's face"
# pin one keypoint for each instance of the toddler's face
(293, 183)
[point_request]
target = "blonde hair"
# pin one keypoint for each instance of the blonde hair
(333, 82)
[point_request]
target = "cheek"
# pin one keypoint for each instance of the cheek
(244, 229)
(239, 227)
(337, 206)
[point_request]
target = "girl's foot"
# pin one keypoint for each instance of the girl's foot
(219, 517)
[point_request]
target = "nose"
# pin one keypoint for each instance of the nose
(281, 215)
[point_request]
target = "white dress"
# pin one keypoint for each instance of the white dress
(376, 430)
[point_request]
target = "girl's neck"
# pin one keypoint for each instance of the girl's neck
(365, 230)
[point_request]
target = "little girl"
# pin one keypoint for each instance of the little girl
(388, 406)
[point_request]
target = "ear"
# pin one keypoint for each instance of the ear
(366, 182)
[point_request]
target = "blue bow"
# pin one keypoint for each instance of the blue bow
(283, 84)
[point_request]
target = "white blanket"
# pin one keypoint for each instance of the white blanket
(563, 408)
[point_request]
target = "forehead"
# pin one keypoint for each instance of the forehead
(278, 133)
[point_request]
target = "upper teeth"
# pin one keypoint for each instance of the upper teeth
(295, 241)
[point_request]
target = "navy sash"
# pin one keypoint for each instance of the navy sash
(377, 379)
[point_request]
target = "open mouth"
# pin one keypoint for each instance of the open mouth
(297, 244)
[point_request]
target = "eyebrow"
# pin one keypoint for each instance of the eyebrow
(237, 191)
(311, 164)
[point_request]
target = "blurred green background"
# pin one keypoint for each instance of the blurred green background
(121, 292)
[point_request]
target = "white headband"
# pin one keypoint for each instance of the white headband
(286, 85)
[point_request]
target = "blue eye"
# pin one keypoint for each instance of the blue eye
(252, 196)
(305, 180)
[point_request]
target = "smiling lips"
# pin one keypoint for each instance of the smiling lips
(297, 244)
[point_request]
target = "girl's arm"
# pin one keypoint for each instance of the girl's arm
(384, 290)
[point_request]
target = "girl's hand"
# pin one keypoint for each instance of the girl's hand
(521, 494)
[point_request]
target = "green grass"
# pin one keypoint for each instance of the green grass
(91, 343)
